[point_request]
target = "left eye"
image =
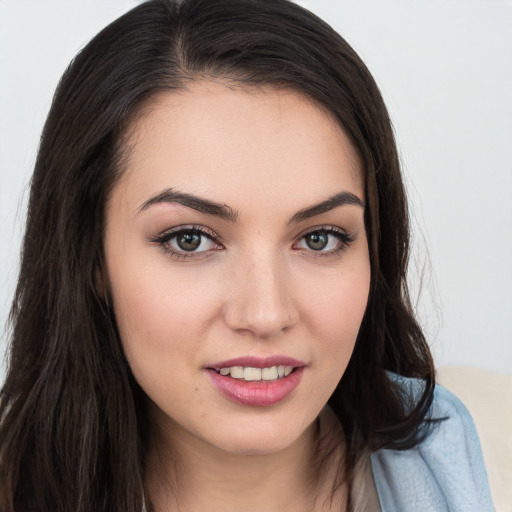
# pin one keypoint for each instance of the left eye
(188, 240)
(323, 241)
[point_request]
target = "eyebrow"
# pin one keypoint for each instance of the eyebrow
(194, 202)
(226, 212)
(340, 199)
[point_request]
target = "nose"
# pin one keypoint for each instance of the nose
(260, 300)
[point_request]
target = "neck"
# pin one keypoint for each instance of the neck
(199, 476)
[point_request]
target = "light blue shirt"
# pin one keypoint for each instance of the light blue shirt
(444, 473)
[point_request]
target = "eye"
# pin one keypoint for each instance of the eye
(190, 241)
(317, 241)
(186, 242)
(326, 240)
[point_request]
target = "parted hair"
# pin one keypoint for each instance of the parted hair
(73, 421)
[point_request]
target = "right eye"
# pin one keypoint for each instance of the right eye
(186, 242)
(190, 241)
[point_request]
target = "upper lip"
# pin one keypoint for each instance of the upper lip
(258, 362)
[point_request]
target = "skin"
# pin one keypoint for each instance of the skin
(257, 289)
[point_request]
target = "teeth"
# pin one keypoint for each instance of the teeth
(252, 373)
(237, 372)
(257, 374)
(269, 373)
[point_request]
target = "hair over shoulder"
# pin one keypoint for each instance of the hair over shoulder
(73, 432)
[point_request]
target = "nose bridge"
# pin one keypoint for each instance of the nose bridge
(261, 300)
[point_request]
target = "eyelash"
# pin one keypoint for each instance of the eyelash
(345, 239)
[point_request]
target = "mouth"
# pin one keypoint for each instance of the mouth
(256, 381)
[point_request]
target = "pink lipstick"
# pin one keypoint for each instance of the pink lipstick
(256, 381)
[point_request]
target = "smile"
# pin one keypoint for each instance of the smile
(250, 374)
(256, 381)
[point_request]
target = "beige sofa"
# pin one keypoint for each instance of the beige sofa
(488, 396)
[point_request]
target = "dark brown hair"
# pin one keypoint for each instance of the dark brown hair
(72, 418)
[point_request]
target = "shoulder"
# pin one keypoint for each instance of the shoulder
(445, 472)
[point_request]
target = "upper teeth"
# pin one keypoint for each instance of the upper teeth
(248, 373)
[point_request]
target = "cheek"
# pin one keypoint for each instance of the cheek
(336, 314)
(161, 315)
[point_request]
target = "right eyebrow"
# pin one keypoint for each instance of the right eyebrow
(196, 203)
(341, 199)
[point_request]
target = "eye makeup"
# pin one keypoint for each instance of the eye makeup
(194, 242)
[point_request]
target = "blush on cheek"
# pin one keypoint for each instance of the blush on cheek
(339, 320)
(156, 315)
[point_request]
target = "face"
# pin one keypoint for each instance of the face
(238, 263)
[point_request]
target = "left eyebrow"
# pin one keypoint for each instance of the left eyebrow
(340, 199)
(196, 203)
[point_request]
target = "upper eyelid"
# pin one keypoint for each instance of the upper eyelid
(190, 227)
(324, 227)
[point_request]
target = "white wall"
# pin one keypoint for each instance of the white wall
(445, 70)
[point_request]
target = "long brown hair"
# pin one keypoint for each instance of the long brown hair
(72, 418)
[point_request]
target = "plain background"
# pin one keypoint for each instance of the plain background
(445, 70)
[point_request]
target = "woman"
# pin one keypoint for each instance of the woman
(212, 310)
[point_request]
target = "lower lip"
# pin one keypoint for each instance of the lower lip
(256, 393)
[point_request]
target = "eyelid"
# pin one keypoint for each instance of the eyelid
(329, 228)
(187, 227)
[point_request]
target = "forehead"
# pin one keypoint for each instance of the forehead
(212, 138)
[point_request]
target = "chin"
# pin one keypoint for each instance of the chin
(261, 439)
(253, 447)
